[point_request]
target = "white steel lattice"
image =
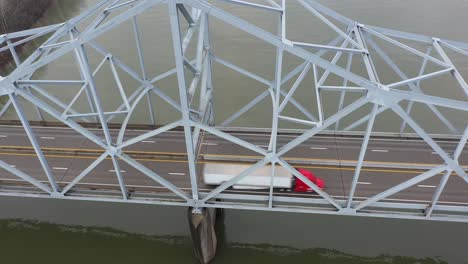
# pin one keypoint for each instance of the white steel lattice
(189, 18)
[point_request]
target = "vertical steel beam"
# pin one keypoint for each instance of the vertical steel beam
(179, 60)
(343, 93)
(141, 59)
(362, 154)
(118, 173)
(272, 148)
(370, 67)
(206, 83)
(204, 63)
(421, 72)
(84, 66)
(318, 96)
(78, 57)
(119, 83)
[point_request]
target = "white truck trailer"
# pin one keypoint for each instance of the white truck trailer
(219, 173)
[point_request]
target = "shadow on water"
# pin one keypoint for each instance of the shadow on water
(27, 241)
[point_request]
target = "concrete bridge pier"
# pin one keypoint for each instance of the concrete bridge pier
(203, 233)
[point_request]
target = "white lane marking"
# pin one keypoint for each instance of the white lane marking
(148, 141)
(325, 137)
(59, 168)
(114, 171)
(3, 136)
(318, 148)
(427, 186)
(177, 173)
(435, 153)
(48, 138)
(209, 144)
(13, 166)
(364, 183)
(380, 150)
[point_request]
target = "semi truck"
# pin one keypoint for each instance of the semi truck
(219, 173)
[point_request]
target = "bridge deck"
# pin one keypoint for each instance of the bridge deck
(388, 162)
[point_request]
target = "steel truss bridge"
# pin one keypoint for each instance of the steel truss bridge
(350, 57)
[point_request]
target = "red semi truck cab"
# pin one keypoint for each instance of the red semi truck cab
(301, 187)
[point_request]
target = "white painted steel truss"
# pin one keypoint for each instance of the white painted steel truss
(194, 76)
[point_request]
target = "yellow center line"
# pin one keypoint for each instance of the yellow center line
(100, 151)
(214, 162)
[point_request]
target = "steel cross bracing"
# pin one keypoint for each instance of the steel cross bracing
(191, 19)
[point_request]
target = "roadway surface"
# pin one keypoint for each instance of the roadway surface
(388, 161)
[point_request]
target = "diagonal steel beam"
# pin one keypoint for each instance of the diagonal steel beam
(401, 187)
(326, 123)
(314, 187)
(449, 161)
(331, 25)
(33, 139)
(445, 178)
(414, 87)
(155, 177)
(84, 173)
(455, 71)
(25, 177)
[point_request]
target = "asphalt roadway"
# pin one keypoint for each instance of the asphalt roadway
(388, 161)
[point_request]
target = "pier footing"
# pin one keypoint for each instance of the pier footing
(202, 229)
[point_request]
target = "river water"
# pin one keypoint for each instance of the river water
(82, 232)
